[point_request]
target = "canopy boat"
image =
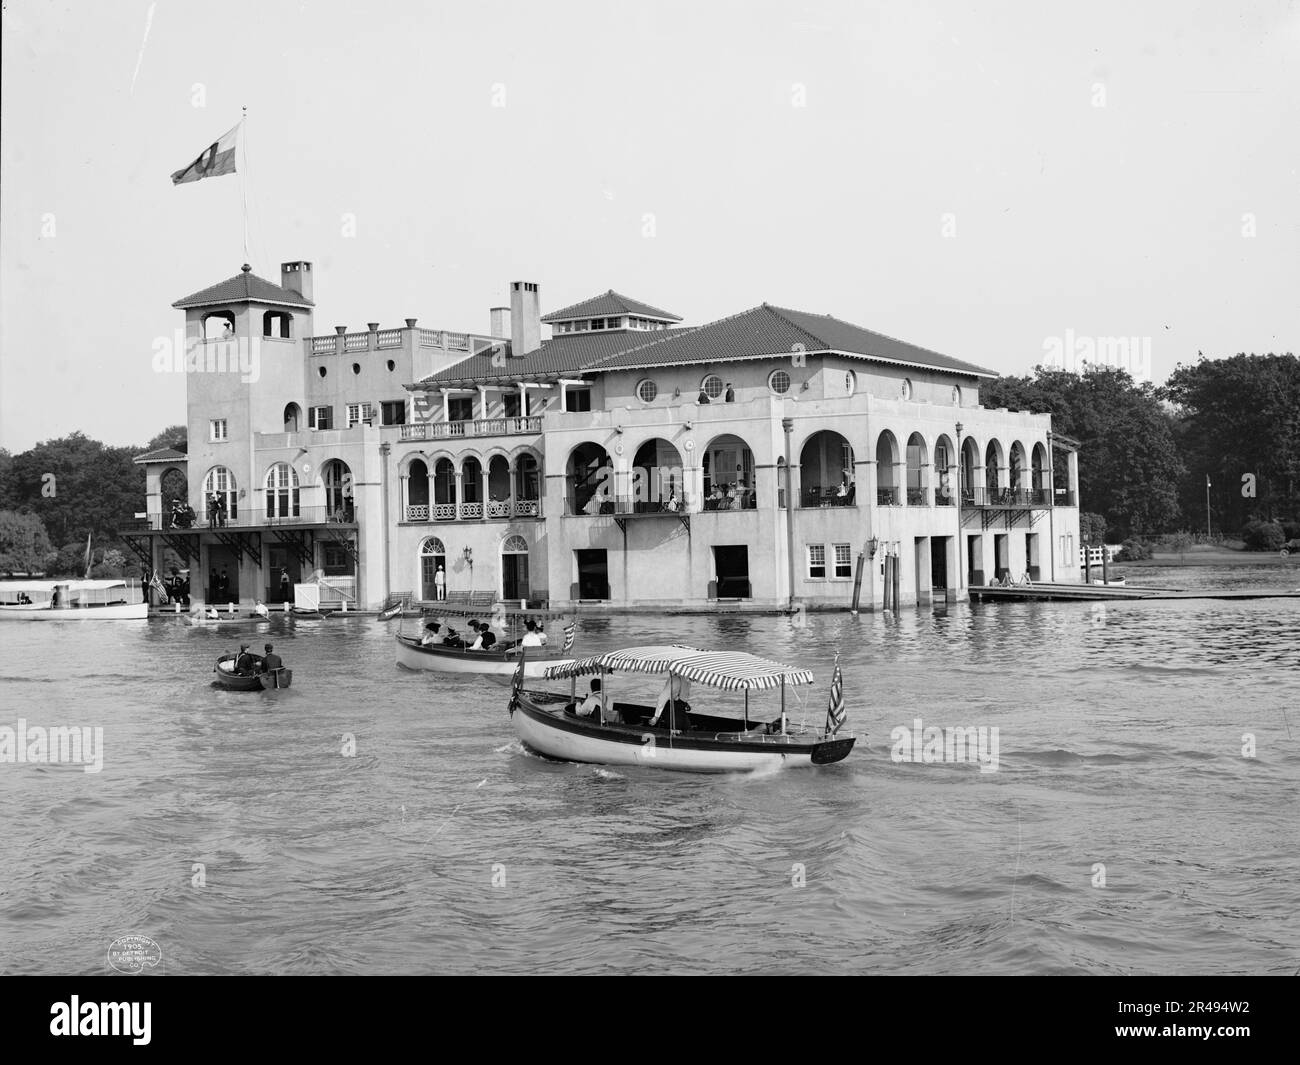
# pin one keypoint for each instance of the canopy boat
(700, 739)
(250, 682)
(501, 661)
(72, 600)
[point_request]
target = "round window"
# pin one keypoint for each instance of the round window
(323, 371)
(907, 388)
(850, 382)
(391, 366)
(779, 382)
(356, 367)
(712, 386)
(646, 391)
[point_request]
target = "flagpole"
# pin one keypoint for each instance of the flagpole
(243, 180)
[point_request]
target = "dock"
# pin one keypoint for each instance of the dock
(1095, 592)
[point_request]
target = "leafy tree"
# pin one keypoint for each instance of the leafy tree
(1129, 466)
(1180, 542)
(174, 436)
(1092, 528)
(24, 545)
(1236, 417)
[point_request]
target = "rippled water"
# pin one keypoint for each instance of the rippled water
(442, 847)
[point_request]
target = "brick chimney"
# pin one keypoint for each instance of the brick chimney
(296, 277)
(525, 317)
(500, 319)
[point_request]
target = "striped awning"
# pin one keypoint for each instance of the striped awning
(728, 670)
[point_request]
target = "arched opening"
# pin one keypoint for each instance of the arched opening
(993, 471)
(657, 480)
(471, 488)
(173, 497)
(970, 465)
(433, 562)
(498, 487)
(282, 492)
(1038, 477)
(1019, 468)
(220, 498)
(292, 416)
(781, 476)
(826, 471)
(729, 475)
(277, 324)
(945, 472)
(337, 478)
(219, 325)
(528, 485)
(589, 478)
(444, 489)
(887, 494)
(918, 472)
(417, 491)
(514, 568)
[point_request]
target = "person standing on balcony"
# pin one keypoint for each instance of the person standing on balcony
(440, 584)
(730, 395)
(703, 396)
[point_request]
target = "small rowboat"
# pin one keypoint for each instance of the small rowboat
(702, 740)
(250, 682)
(501, 661)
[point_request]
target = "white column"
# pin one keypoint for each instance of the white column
(482, 401)
(446, 406)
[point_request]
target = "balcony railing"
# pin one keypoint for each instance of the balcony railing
(886, 497)
(245, 518)
(1006, 497)
(918, 497)
(817, 496)
(472, 427)
(497, 510)
(739, 499)
(624, 506)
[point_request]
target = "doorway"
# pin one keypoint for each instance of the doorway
(1032, 566)
(278, 590)
(939, 548)
(731, 565)
(593, 574)
(514, 568)
(1001, 557)
(974, 561)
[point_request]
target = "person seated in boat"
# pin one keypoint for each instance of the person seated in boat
(591, 706)
(531, 638)
(271, 661)
(672, 704)
(430, 636)
(487, 639)
(24, 599)
(244, 661)
(452, 639)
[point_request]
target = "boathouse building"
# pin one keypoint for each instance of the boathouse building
(772, 458)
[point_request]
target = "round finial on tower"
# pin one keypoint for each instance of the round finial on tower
(246, 268)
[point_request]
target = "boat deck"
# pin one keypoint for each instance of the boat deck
(1094, 592)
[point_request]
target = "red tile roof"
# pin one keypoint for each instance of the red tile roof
(610, 303)
(162, 454)
(244, 287)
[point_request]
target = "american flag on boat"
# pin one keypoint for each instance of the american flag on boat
(836, 714)
(570, 631)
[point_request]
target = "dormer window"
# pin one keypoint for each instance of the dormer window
(598, 323)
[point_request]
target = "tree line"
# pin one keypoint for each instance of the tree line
(56, 494)
(1148, 454)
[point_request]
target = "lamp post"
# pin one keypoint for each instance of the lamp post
(1207, 505)
(959, 552)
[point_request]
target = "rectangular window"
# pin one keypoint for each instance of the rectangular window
(577, 399)
(817, 560)
(321, 417)
(217, 429)
(843, 560)
(360, 412)
(460, 408)
(393, 412)
(598, 323)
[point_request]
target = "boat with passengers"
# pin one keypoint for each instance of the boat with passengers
(72, 600)
(428, 649)
(725, 732)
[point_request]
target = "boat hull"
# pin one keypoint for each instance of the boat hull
(43, 612)
(411, 655)
(548, 730)
(250, 682)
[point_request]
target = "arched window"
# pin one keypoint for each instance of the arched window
(887, 462)
(433, 557)
(282, 492)
(337, 478)
(728, 466)
(220, 484)
(219, 325)
(918, 474)
(827, 471)
(514, 568)
(292, 415)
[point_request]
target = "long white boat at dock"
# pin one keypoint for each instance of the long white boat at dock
(71, 600)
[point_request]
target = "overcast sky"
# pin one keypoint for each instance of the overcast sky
(978, 179)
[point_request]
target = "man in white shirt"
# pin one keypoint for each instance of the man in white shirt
(532, 638)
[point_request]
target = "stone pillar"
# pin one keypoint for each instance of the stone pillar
(404, 499)
(510, 477)
(484, 473)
